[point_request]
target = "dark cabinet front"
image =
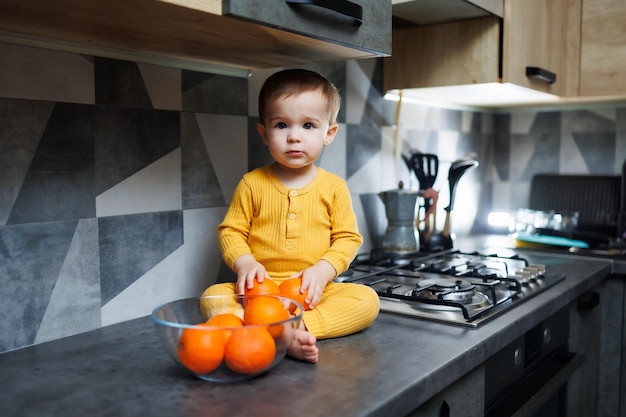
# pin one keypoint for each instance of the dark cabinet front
(359, 24)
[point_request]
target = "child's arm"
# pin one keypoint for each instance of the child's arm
(345, 237)
(233, 234)
(345, 243)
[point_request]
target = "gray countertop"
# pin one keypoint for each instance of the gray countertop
(387, 370)
(498, 242)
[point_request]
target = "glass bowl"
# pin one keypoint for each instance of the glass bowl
(218, 353)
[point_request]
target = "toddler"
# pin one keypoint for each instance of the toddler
(295, 219)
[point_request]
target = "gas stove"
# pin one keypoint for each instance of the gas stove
(451, 287)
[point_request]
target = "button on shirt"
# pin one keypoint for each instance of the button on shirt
(294, 227)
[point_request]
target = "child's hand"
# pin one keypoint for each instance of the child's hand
(314, 279)
(248, 269)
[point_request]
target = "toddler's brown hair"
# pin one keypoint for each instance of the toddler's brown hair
(294, 81)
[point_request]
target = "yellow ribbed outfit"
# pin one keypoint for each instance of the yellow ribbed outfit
(288, 230)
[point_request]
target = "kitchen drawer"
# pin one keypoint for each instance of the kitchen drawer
(361, 24)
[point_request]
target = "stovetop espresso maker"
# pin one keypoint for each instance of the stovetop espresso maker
(401, 236)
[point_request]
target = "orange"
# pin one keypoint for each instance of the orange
(225, 320)
(267, 287)
(290, 288)
(266, 310)
(249, 350)
(201, 349)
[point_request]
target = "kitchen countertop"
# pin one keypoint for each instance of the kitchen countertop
(387, 370)
(498, 242)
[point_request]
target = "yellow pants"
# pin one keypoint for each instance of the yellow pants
(345, 308)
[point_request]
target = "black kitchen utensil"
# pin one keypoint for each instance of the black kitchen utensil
(443, 240)
(425, 166)
(457, 169)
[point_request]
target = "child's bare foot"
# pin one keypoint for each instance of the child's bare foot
(304, 347)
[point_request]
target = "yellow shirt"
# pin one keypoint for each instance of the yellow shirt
(288, 230)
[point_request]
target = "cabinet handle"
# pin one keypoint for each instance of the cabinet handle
(588, 301)
(344, 7)
(444, 411)
(541, 74)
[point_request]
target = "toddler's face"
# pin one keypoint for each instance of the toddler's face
(297, 128)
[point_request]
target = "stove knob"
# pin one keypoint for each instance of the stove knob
(524, 276)
(534, 272)
(540, 268)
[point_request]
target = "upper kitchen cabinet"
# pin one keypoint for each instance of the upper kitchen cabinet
(538, 35)
(238, 34)
(545, 37)
(446, 54)
(603, 48)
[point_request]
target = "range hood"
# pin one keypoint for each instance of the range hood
(428, 12)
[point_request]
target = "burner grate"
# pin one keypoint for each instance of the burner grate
(452, 287)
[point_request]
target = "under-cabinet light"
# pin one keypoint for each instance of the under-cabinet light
(481, 96)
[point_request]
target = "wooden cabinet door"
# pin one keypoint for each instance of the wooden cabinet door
(543, 34)
(446, 54)
(603, 48)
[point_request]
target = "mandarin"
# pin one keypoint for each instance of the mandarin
(265, 310)
(290, 288)
(225, 320)
(249, 350)
(267, 287)
(201, 349)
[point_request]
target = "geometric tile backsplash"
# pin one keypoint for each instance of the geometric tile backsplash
(114, 175)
